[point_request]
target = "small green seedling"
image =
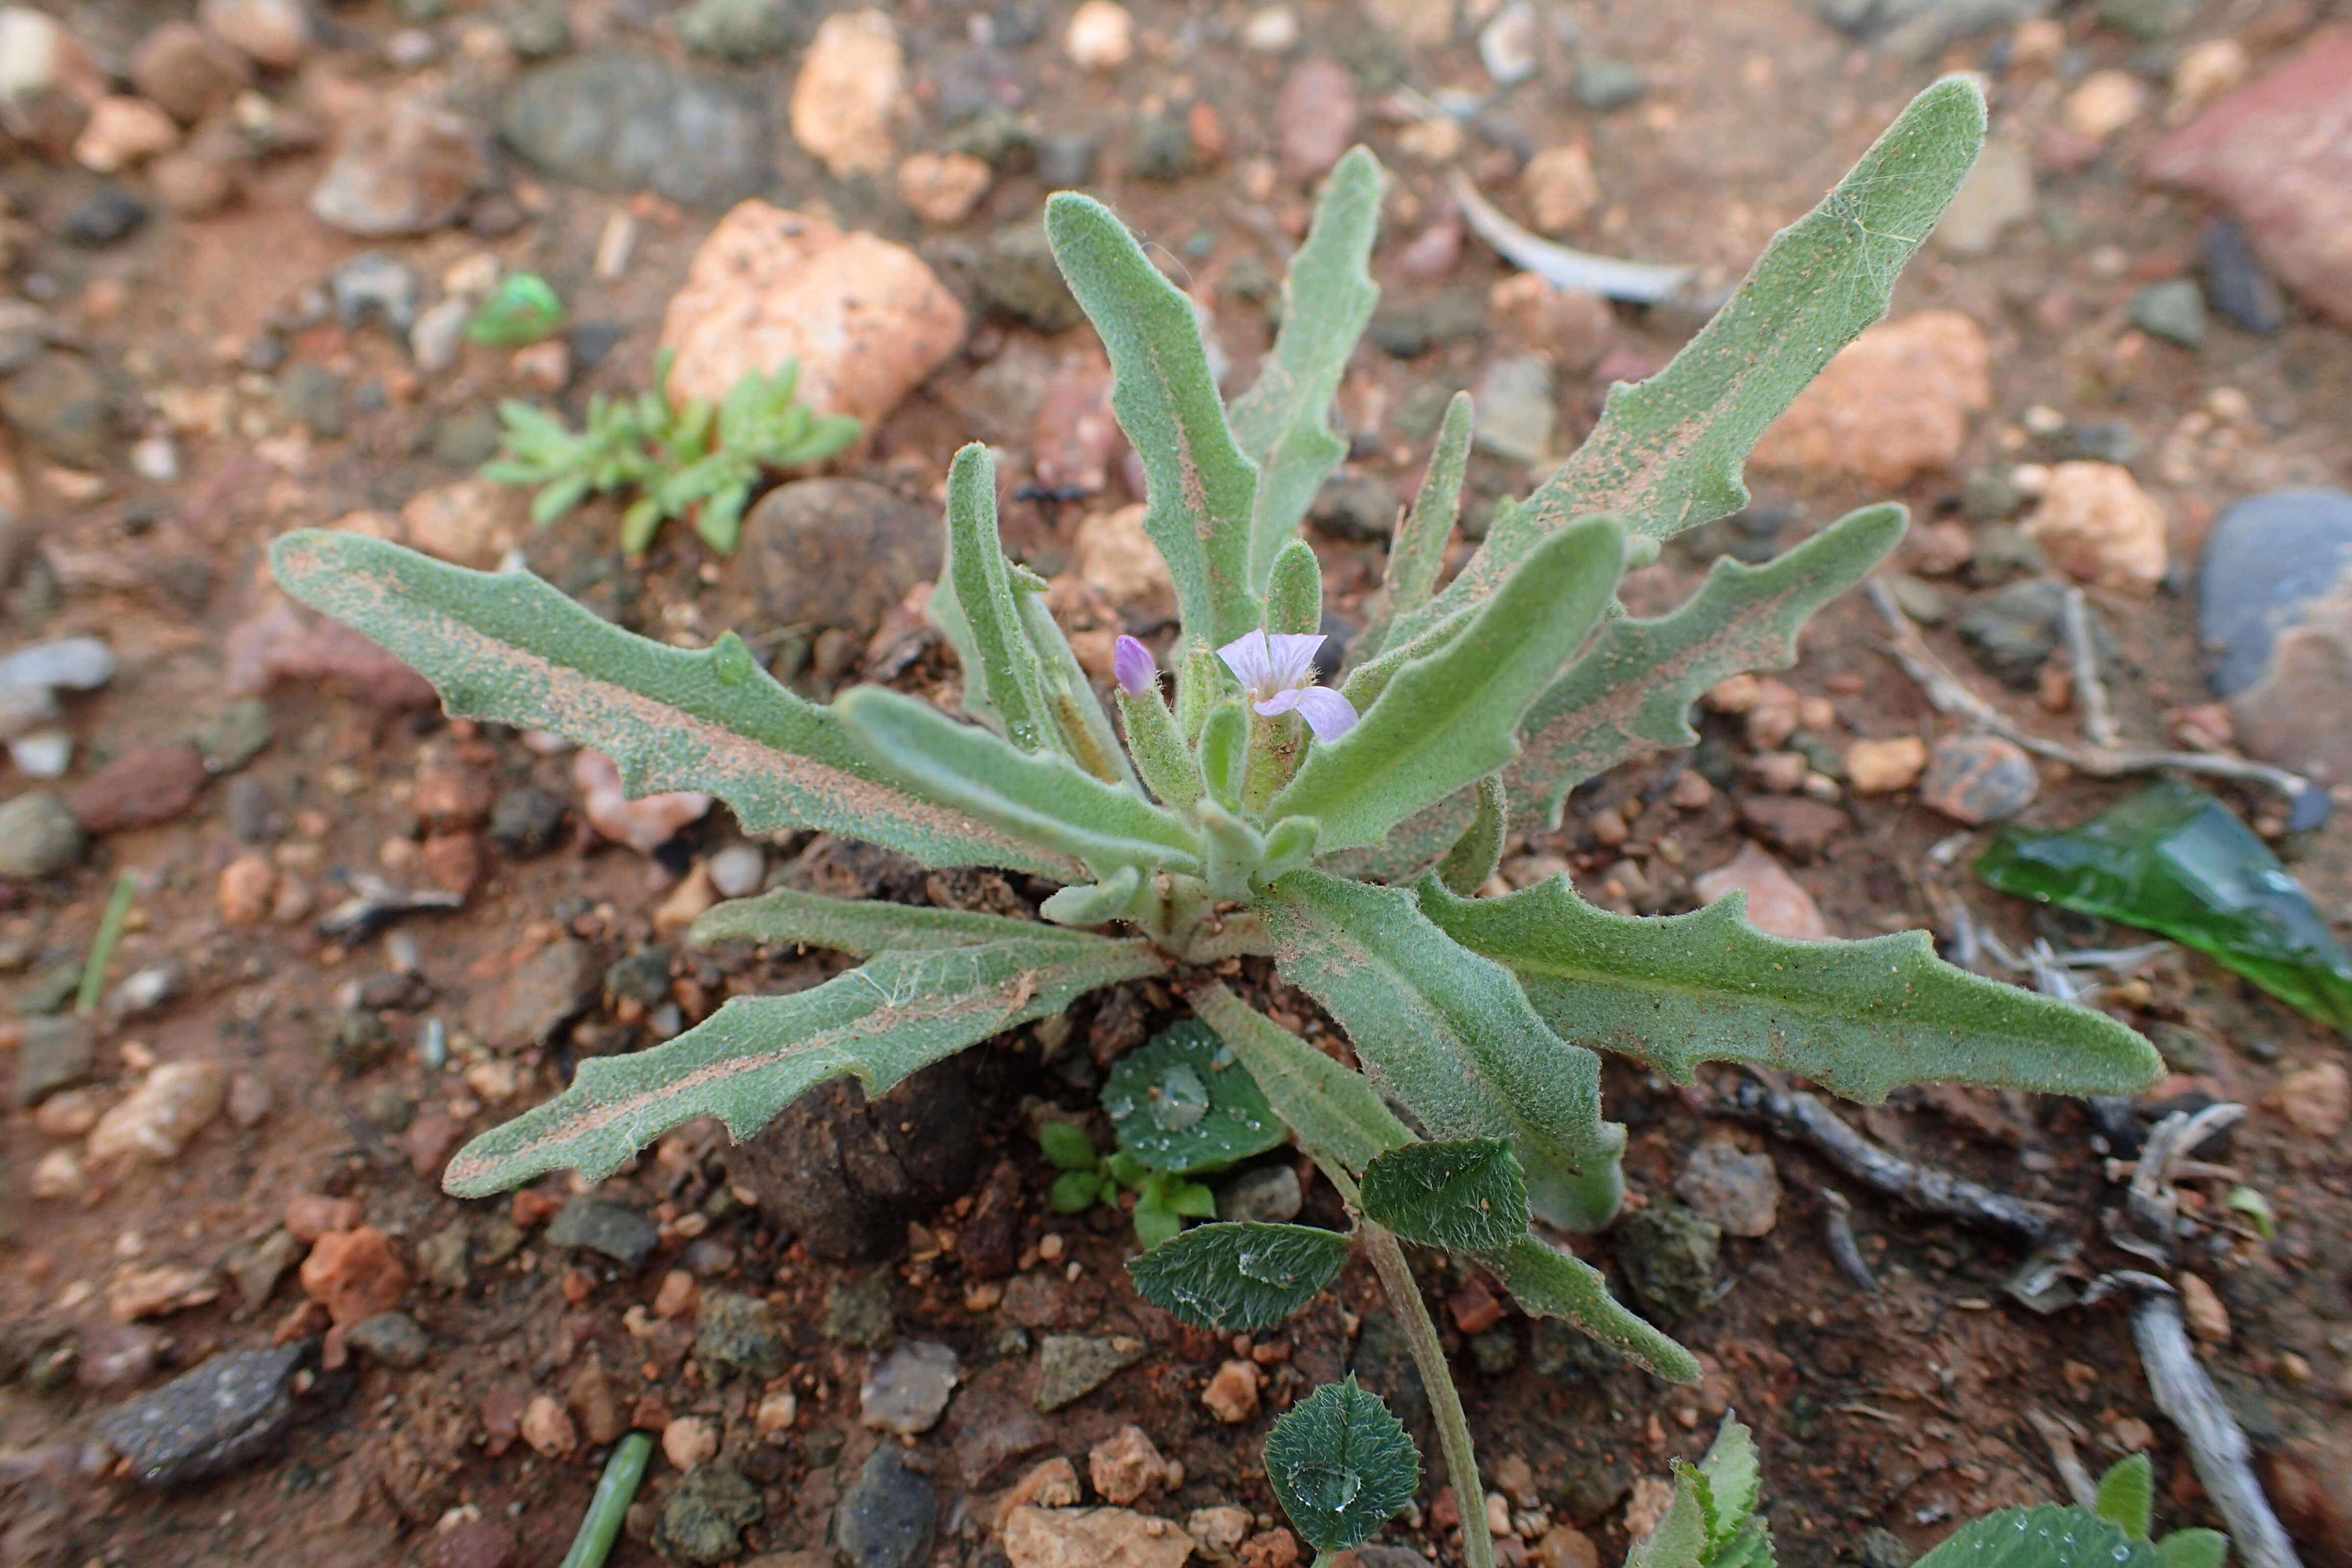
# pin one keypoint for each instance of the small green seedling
(522, 310)
(1162, 1202)
(1340, 823)
(700, 461)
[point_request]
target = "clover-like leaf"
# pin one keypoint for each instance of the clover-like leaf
(1184, 1103)
(1341, 1465)
(1238, 1278)
(1067, 1146)
(2193, 1549)
(2126, 1496)
(2041, 1538)
(1466, 1197)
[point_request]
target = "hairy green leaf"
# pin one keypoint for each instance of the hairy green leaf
(1667, 454)
(1082, 727)
(2041, 1538)
(508, 647)
(1326, 299)
(1198, 485)
(1733, 1478)
(860, 927)
(2193, 1549)
(1185, 1103)
(2126, 1496)
(1011, 689)
(1451, 717)
(1091, 903)
(1679, 1538)
(1294, 591)
(1067, 1146)
(1451, 1035)
(1466, 1196)
(1341, 1465)
(1861, 1019)
(1417, 545)
(1478, 853)
(1040, 797)
(891, 1016)
(1630, 692)
(1336, 1113)
(1240, 1277)
(1549, 1283)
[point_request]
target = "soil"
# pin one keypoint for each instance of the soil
(1899, 1413)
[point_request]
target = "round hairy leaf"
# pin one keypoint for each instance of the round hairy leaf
(1465, 1197)
(1341, 1465)
(2041, 1537)
(1067, 1146)
(1239, 1278)
(1184, 1103)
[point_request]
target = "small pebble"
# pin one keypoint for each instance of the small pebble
(688, 1441)
(1977, 779)
(1101, 36)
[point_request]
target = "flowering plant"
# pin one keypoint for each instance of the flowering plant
(1346, 832)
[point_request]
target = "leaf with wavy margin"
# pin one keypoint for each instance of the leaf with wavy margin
(861, 927)
(506, 647)
(893, 1015)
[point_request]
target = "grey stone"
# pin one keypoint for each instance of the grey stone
(529, 1007)
(539, 29)
(76, 664)
(704, 1517)
(620, 1234)
(2173, 310)
(147, 990)
(253, 813)
(859, 1310)
(1977, 779)
(1162, 147)
(847, 1174)
(2150, 21)
(1997, 194)
(1919, 598)
(837, 553)
(1015, 277)
(409, 169)
(907, 1389)
(734, 1333)
(437, 340)
(1071, 1366)
(526, 821)
(1669, 1254)
(889, 1516)
(1408, 331)
(62, 405)
(1920, 30)
(56, 1054)
(630, 122)
(373, 286)
(1737, 1190)
(1604, 84)
(391, 1338)
(2237, 285)
(109, 215)
(1359, 506)
(445, 1258)
(255, 1265)
(1517, 408)
(643, 976)
(313, 396)
(235, 735)
(1496, 1351)
(742, 32)
(992, 1430)
(1065, 159)
(2013, 631)
(2269, 562)
(217, 1418)
(1268, 1195)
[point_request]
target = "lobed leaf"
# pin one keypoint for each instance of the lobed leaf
(1007, 688)
(1452, 716)
(1861, 1019)
(1679, 1538)
(1549, 1283)
(1328, 298)
(1466, 1197)
(1477, 855)
(1198, 485)
(1341, 1465)
(1183, 1103)
(508, 647)
(1336, 1113)
(1240, 1277)
(1450, 1035)
(1630, 692)
(1040, 798)
(860, 927)
(1732, 1480)
(892, 1016)
(2041, 1538)
(1667, 453)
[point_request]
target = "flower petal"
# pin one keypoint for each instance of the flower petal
(1251, 659)
(1291, 657)
(1282, 701)
(1327, 713)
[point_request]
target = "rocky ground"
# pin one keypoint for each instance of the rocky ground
(238, 1320)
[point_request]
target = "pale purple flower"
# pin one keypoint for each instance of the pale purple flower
(1132, 666)
(1277, 674)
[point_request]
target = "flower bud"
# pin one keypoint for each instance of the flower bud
(1131, 665)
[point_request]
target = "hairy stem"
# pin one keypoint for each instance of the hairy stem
(1436, 1375)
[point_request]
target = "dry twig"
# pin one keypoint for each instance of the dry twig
(2060, 1439)
(1837, 1233)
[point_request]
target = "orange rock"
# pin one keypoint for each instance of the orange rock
(1124, 1465)
(1882, 767)
(2318, 1100)
(549, 1429)
(2098, 526)
(943, 187)
(354, 1274)
(1232, 1394)
(851, 93)
(866, 318)
(310, 1216)
(1777, 905)
(246, 884)
(1894, 404)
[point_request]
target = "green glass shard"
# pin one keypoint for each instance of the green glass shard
(2174, 859)
(522, 310)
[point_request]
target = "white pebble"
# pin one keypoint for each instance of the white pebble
(738, 870)
(1273, 31)
(155, 457)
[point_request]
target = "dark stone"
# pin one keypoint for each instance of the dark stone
(1797, 824)
(2013, 632)
(2239, 287)
(704, 1517)
(466, 438)
(853, 869)
(1669, 1254)
(1496, 1351)
(643, 976)
(738, 1332)
(889, 1515)
(1408, 331)
(539, 29)
(56, 1054)
(621, 1233)
(1162, 148)
(632, 122)
(1065, 159)
(988, 1245)
(740, 32)
(109, 215)
(235, 735)
(845, 1176)
(1359, 506)
(312, 395)
(362, 1042)
(391, 1338)
(2173, 310)
(1071, 1366)
(62, 404)
(526, 821)
(992, 1430)
(253, 813)
(373, 286)
(39, 836)
(1015, 278)
(858, 1311)
(998, 138)
(217, 1418)
(837, 553)
(1603, 85)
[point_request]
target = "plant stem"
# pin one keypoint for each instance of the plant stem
(610, 1502)
(102, 946)
(1436, 1375)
